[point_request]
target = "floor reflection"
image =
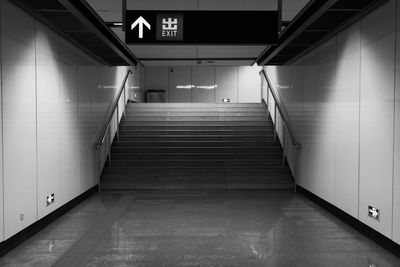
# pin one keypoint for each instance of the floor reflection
(205, 228)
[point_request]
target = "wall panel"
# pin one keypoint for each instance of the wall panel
(321, 112)
(68, 102)
(87, 119)
(396, 182)
(249, 85)
(203, 80)
(226, 81)
(1, 149)
(48, 117)
(180, 84)
(376, 116)
(157, 78)
(19, 118)
(346, 125)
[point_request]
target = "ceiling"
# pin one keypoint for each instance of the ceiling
(77, 22)
(89, 24)
(149, 55)
(316, 22)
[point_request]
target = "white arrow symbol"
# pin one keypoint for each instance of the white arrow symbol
(140, 21)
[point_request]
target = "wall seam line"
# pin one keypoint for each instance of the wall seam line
(215, 88)
(237, 83)
(394, 116)
(36, 123)
(2, 126)
(336, 39)
(59, 121)
(359, 124)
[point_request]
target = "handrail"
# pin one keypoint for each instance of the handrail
(100, 137)
(278, 106)
(286, 129)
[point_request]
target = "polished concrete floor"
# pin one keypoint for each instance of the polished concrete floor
(207, 228)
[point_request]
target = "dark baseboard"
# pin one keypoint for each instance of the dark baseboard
(32, 229)
(364, 229)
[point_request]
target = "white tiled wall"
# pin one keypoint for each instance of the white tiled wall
(179, 83)
(203, 79)
(54, 98)
(396, 182)
(19, 118)
(206, 83)
(226, 79)
(1, 149)
(249, 85)
(347, 97)
(48, 119)
(341, 101)
(376, 115)
(159, 83)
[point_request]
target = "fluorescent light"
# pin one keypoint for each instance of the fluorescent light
(184, 86)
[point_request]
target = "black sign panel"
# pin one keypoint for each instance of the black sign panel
(202, 27)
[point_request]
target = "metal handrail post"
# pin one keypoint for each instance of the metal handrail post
(275, 122)
(284, 144)
(295, 170)
(125, 102)
(117, 131)
(268, 113)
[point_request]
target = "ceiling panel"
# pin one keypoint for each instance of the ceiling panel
(238, 4)
(110, 15)
(290, 8)
(105, 4)
(157, 63)
(164, 51)
(229, 51)
(119, 33)
(75, 20)
(228, 62)
(314, 24)
(162, 4)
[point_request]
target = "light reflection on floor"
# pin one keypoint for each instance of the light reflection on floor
(204, 228)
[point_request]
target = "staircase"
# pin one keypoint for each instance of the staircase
(196, 146)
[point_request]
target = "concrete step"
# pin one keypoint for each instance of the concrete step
(196, 138)
(196, 146)
(194, 156)
(199, 178)
(196, 130)
(117, 170)
(194, 118)
(208, 150)
(117, 186)
(206, 113)
(191, 163)
(196, 143)
(131, 110)
(197, 123)
(196, 105)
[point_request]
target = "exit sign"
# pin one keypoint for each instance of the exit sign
(202, 27)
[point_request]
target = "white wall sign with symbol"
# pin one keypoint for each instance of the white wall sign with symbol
(169, 27)
(140, 23)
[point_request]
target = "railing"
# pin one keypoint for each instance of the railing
(282, 128)
(109, 128)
